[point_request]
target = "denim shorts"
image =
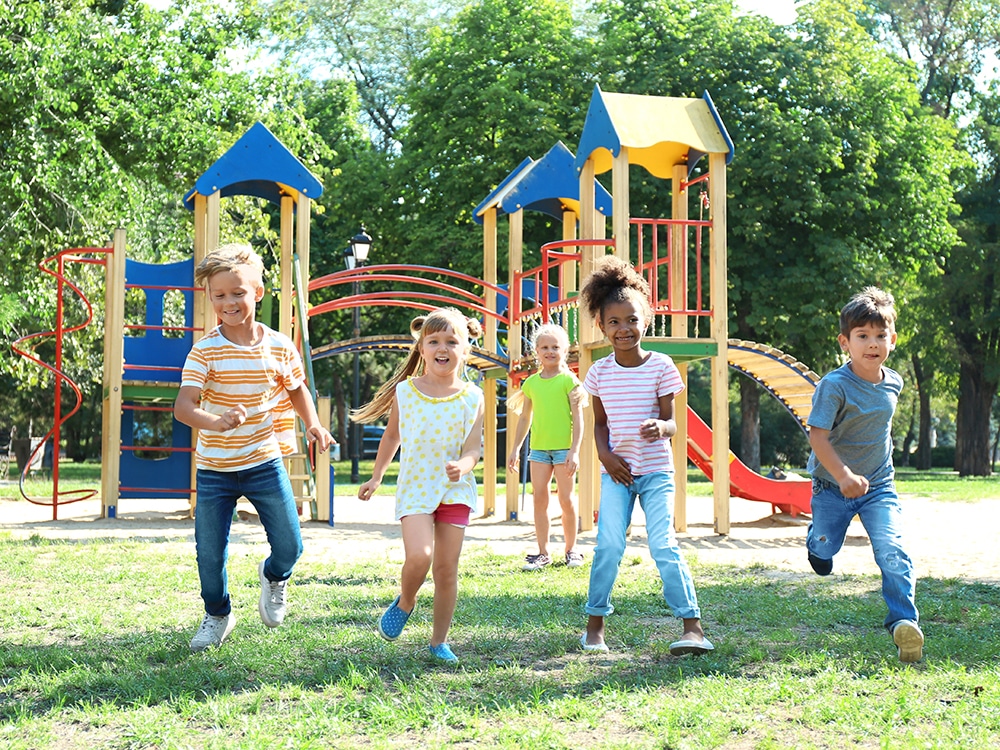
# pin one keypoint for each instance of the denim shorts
(553, 458)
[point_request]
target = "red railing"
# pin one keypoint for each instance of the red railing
(655, 263)
(20, 347)
(406, 298)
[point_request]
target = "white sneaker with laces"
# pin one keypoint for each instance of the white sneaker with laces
(213, 631)
(272, 599)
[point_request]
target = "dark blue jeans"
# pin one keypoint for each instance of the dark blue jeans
(267, 487)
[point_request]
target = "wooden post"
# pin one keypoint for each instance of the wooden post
(589, 479)
(324, 487)
(285, 268)
(720, 332)
(114, 360)
(490, 384)
(515, 261)
(679, 329)
(620, 210)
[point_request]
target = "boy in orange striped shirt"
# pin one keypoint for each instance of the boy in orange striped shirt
(241, 387)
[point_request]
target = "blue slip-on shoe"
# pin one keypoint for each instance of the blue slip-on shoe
(443, 652)
(392, 621)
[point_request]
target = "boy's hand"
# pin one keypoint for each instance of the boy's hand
(853, 485)
(366, 490)
(232, 418)
(321, 436)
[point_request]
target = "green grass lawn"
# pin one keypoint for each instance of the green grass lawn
(95, 654)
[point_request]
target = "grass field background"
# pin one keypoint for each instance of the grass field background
(95, 634)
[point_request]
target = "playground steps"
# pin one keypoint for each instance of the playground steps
(300, 473)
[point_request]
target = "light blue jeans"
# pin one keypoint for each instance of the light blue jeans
(267, 487)
(656, 497)
(881, 516)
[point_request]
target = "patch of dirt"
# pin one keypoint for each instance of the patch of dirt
(945, 539)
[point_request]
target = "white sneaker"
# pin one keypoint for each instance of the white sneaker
(213, 631)
(909, 640)
(272, 599)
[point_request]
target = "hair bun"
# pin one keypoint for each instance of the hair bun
(415, 325)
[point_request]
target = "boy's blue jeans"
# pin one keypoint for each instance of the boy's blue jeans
(656, 496)
(268, 488)
(881, 516)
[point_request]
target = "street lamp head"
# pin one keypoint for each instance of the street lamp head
(349, 260)
(361, 243)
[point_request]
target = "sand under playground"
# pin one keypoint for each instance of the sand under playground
(946, 539)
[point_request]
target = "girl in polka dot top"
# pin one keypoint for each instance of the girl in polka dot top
(436, 421)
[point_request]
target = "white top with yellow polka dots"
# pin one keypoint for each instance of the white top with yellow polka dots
(432, 432)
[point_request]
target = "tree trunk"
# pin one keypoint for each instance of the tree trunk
(904, 454)
(972, 426)
(750, 432)
(923, 460)
(340, 406)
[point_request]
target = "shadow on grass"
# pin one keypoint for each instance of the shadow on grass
(518, 641)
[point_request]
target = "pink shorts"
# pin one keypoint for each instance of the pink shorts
(456, 514)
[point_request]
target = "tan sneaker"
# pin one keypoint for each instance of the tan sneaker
(909, 640)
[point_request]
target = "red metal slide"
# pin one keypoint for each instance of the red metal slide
(791, 495)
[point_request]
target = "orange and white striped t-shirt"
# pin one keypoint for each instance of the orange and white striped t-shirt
(259, 377)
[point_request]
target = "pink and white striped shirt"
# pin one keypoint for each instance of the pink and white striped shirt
(630, 395)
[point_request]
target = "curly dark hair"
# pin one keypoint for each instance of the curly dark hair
(614, 280)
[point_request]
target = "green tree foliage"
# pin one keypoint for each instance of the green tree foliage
(505, 81)
(840, 177)
(108, 114)
(947, 41)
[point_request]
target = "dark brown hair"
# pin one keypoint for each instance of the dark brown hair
(614, 280)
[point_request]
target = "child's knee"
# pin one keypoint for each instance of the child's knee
(893, 559)
(445, 574)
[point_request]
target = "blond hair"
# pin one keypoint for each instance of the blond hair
(442, 319)
(557, 332)
(229, 257)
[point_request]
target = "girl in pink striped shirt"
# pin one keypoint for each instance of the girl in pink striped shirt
(632, 391)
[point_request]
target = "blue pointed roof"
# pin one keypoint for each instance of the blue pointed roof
(260, 165)
(549, 186)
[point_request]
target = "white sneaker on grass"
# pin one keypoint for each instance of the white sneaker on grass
(272, 599)
(213, 631)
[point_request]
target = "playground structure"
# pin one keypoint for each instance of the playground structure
(143, 359)
(683, 259)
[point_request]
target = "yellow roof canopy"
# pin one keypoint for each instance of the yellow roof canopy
(658, 131)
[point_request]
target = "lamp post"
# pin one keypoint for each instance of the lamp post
(356, 256)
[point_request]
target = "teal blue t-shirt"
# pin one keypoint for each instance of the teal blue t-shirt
(858, 415)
